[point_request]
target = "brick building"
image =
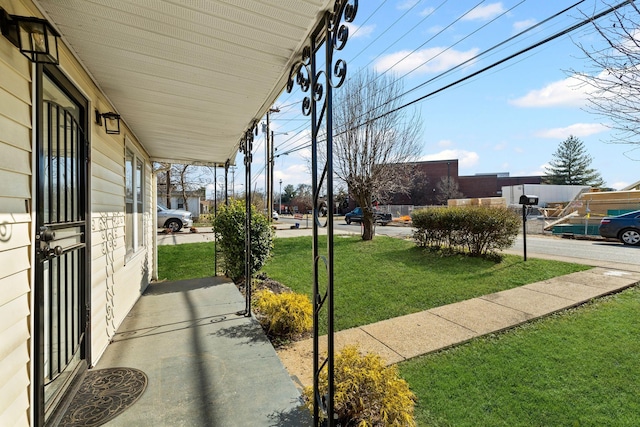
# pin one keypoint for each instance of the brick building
(428, 174)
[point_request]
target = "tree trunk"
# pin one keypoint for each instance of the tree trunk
(368, 225)
(168, 181)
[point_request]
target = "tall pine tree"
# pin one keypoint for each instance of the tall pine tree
(571, 166)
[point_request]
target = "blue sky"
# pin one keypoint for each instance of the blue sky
(509, 119)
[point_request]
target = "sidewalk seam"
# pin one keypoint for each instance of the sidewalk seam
(384, 344)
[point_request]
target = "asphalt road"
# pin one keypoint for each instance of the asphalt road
(597, 252)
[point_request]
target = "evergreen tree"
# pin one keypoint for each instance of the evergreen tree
(570, 166)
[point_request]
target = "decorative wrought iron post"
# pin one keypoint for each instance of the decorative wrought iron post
(226, 182)
(329, 36)
(246, 147)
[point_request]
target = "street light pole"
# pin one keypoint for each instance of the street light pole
(280, 204)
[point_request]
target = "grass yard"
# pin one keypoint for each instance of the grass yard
(390, 277)
(576, 368)
(188, 261)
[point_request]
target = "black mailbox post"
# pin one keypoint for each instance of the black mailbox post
(526, 200)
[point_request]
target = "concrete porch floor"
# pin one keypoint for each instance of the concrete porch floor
(206, 365)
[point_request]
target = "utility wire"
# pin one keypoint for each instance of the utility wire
(514, 55)
(481, 54)
(483, 70)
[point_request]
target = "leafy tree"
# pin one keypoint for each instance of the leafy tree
(288, 194)
(303, 197)
(372, 137)
(570, 165)
(613, 73)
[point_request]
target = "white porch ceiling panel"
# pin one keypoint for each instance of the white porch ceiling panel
(188, 76)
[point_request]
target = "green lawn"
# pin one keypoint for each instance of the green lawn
(188, 261)
(390, 277)
(577, 368)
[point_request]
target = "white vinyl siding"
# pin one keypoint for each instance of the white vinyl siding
(15, 244)
(115, 287)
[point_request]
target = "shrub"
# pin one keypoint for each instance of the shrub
(367, 393)
(476, 230)
(284, 315)
(230, 234)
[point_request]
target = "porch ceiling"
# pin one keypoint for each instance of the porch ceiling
(188, 77)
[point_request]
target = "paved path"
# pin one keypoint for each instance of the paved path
(405, 337)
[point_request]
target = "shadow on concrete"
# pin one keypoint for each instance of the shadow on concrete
(243, 334)
(173, 327)
(161, 288)
(296, 417)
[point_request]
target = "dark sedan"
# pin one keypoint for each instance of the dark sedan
(625, 228)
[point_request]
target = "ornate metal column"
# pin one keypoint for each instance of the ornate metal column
(246, 147)
(226, 182)
(328, 37)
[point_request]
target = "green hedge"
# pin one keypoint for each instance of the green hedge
(475, 230)
(229, 228)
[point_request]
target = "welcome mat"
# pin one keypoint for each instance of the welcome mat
(103, 395)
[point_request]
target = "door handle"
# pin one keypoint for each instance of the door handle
(57, 251)
(46, 235)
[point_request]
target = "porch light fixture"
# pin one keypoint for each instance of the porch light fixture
(111, 122)
(35, 37)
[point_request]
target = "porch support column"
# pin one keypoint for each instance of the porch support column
(246, 147)
(226, 182)
(327, 38)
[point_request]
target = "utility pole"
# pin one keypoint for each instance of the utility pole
(269, 163)
(280, 204)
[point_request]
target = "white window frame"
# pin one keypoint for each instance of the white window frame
(135, 192)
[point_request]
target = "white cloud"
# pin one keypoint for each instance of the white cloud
(431, 60)
(356, 31)
(620, 185)
(500, 146)
(407, 4)
(466, 159)
(445, 143)
(427, 11)
(523, 25)
(570, 92)
(484, 13)
(542, 170)
(577, 129)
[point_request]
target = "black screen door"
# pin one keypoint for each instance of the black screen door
(61, 238)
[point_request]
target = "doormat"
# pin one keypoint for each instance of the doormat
(103, 395)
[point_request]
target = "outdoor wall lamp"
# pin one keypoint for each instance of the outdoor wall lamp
(111, 122)
(35, 37)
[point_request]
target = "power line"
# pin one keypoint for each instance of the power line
(481, 54)
(483, 70)
(514, 55)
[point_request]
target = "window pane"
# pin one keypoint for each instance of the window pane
(139, 201)
(128, 225)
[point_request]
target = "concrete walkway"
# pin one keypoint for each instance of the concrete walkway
(405, 337)
(206, 365)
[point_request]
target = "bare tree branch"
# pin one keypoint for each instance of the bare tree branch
(367, 149)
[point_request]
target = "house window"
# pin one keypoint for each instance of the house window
(134, 201)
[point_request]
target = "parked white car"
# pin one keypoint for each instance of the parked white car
(174, 219)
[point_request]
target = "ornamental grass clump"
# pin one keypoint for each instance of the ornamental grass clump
(367, 393)
(284, 315)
